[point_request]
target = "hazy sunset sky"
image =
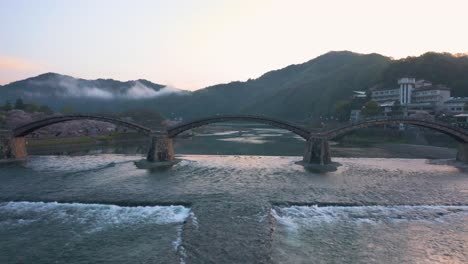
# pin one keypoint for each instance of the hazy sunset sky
(194, 44)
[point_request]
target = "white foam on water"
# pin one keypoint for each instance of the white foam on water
(177, 244)
(398, 164)
(275, 130)
(297, 137)
(94, 216)
(194, 220)
(242, 162)
(294, 217)
(178, 247)
(77, 163)
(224, 133)
(16, 222)
(250, 140)
(270, 135)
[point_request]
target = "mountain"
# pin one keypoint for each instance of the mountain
(312, 89)
(296, 92)
(439, 68)
(59, 91)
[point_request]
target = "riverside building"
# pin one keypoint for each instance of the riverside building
(415, 96)
(456, 105)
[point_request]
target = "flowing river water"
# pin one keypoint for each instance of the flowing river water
(262, 208)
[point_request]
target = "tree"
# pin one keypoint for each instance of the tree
(371, 108)
(343, 110)
(67, 110)
(2, 118)
(7, 106)
(31, 108)
(19, 104)
(397, 109)
(45, 109)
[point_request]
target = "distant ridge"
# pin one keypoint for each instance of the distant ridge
(60, 91)
(295, 92)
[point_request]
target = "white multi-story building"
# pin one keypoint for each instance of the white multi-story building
(407, 86)
(415, 96)
(430, 98)
(456, 105)
(388, 95)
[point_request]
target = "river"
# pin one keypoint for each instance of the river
(230, 208)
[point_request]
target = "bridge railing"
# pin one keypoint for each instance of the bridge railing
(27, 128)
(396, 119)
(178, 128)
(427, 119)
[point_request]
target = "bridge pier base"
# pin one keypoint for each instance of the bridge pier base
(161, 149)
(12, 148)
(462, 154)
(317, 151)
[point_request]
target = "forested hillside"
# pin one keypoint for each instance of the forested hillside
(296, 92)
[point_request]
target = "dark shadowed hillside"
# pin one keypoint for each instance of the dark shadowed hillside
(440, 68)
(80, 95)
(295, 92)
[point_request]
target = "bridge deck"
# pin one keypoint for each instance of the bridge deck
(26, 129)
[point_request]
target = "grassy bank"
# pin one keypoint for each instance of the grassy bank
(370, 140)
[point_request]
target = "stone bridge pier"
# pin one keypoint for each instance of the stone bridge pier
(12, 147)
(462, 154)
(317, 151)
(161, 148)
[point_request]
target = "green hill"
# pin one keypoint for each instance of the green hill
(296, 92)
(439, 68)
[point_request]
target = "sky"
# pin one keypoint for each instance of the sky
(195, 44)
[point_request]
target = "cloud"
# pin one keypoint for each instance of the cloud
(140, 91)
(70, 88)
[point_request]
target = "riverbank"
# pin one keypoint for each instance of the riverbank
(395, 150)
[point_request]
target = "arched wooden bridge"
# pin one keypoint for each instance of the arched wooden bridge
(459, 134)
(296, 129)
(317, 148)
(27, 129)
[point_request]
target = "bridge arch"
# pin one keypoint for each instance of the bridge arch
(24, 130)
(460, 135)
(298, 130)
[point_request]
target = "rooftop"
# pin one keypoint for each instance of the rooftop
(383, 88)
(421, 85)
(457, 100)
(433, 87)
(387, 103)
(360, 92)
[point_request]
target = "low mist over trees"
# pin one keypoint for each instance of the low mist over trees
(27, 107)
(320, 87)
